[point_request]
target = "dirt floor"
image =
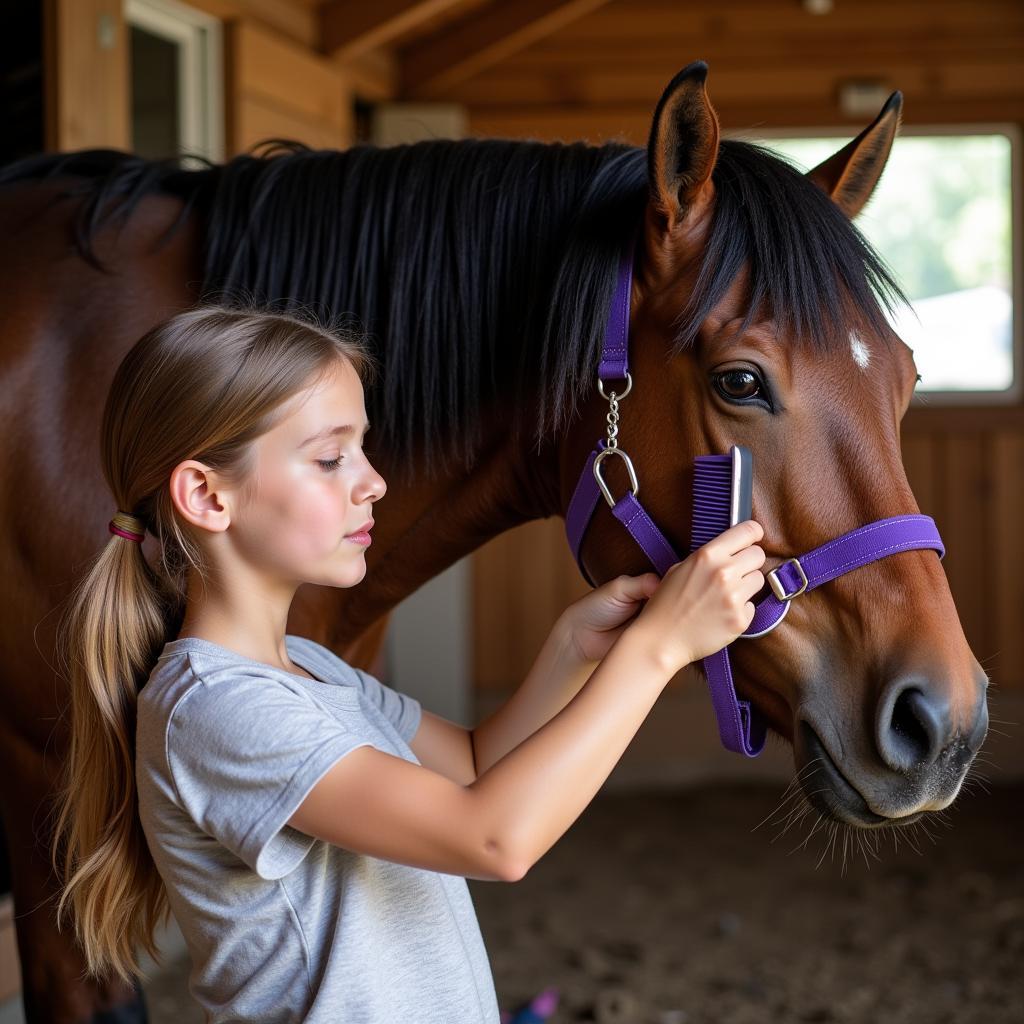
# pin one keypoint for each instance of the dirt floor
(665, 908)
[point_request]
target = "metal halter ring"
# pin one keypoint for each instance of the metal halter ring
(778, 589)
(629, 385)
(600, 480)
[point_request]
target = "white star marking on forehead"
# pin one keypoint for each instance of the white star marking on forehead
(861, 356)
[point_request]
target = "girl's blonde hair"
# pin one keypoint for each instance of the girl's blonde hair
(202, 385)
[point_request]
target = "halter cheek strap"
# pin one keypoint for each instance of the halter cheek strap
(740, 725)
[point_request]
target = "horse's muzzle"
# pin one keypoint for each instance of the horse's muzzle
(920, 757)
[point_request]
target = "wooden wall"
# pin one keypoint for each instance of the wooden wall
(277, 88)
(277, 82)
(967, 470)
(86, 56)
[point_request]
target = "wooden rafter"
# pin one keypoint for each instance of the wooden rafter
(349, 28)
(450, 56)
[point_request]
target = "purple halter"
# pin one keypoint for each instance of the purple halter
(740, 726)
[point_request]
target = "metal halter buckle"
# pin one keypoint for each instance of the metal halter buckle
(600, 480)
(776, 584)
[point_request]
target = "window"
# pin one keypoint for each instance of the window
(176, 80)
(942, 218)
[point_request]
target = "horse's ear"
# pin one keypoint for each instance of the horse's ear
(683, 146)
(850, 176)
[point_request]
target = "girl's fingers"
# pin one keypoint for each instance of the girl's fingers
(752, 582)
(738, 537)
(748, 559)
(637, 586)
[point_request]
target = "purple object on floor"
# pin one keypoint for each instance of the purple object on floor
(536, 1011)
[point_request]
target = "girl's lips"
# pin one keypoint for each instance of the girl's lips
(362, 535)
(364, 529)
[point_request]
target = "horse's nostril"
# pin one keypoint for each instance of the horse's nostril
(916, 731)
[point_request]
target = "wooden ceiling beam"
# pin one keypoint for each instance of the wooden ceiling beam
(374, 75)
(631, 122)
(349, 28)
(450, 56)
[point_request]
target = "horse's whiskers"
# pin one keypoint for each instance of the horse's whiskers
(792, 792)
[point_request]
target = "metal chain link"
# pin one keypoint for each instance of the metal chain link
(613, 421)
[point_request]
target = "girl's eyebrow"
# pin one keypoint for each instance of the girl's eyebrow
(333, 431)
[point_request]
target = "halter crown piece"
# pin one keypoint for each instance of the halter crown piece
(128, 526)
(740, 726)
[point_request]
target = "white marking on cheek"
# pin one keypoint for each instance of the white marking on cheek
(861, 356)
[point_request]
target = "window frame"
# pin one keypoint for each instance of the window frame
(199, 38)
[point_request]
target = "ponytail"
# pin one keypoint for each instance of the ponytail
(202, 385)
(118, 620)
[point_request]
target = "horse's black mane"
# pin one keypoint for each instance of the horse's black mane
(482, 267)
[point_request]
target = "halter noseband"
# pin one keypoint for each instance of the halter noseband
(740, 725)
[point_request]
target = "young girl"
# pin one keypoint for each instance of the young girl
(311, 828)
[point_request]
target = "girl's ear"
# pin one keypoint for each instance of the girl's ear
(850, 176)
(682, 148)
(194, 489)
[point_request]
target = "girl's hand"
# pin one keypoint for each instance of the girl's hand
(704, 602)
(596, 620)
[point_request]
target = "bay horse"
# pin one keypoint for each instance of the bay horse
(483, 272)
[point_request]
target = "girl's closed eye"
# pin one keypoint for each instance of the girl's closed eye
(328, 464)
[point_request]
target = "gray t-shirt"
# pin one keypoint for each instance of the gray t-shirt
(282, 927)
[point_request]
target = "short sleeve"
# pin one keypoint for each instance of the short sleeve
(243, 753)
(404, 712)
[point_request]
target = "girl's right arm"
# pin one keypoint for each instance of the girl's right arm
(497, 827)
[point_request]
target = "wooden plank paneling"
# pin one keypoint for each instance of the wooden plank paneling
(632, 123)
(255, 120)
(522, 581)
(964, 509)
(87, 96)
(277, 88)
(771, 65)
(625, 22)
(968, 77)
(1005, 556)
(448, 58)
(497, 653)
(919, 462)
(744, 49)
(10, 976)
(351, 27)
(298, 21)
(286, 75)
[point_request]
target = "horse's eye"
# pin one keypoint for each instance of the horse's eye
(738, 384)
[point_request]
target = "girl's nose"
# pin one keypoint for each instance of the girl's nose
(375, 485)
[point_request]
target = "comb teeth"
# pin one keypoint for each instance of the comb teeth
(712, 492)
